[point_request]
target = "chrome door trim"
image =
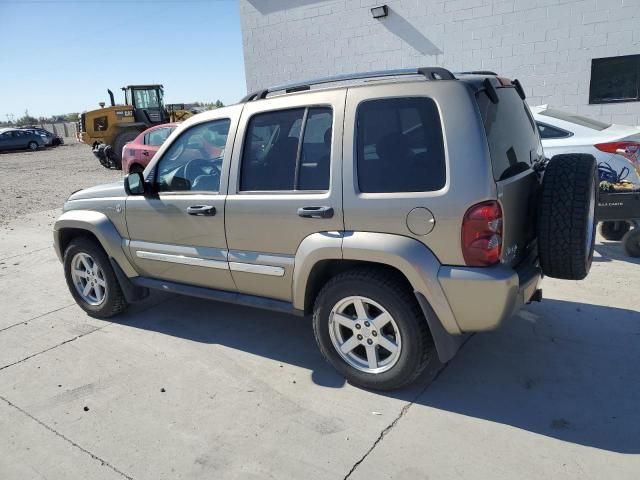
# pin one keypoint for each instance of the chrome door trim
(181, 259)
(259, 269)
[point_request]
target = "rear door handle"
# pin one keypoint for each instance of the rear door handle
(315, 212)
(144, 152)
(202, 210)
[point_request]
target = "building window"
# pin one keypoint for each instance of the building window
(615, 79)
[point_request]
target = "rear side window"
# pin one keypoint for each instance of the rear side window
(549, 132)
(399, 146)
(512, 134)
(157, 137)
(287, 150)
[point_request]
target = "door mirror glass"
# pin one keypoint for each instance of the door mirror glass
(134, 184)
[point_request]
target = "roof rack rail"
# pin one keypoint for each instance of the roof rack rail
(430, 73)
(477, 72)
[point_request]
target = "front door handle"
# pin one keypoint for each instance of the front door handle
(315, 212)
(202, 210)
(145, 153)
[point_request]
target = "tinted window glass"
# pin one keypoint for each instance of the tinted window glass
(194, 159)
(547, 131)
(399, 146)
(512, 135)
(615, 79)
(273, 158)
(315, 157)
(577, 119)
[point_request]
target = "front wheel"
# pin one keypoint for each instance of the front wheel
(33, 146)
(369, 326)
(91, 279)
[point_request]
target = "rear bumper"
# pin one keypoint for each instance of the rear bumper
(483, 298)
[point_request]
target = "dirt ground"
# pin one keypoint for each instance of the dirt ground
(42, 180)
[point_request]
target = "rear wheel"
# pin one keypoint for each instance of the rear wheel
(369, 326)
(614, 231)
(33, 146)
(631, 243)
(119, 143)
(566, 216)
(91, 279)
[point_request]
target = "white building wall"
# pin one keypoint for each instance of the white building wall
(547, 44)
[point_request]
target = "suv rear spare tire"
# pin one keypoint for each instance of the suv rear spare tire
(566, 216)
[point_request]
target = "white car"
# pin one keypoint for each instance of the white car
(614, 146)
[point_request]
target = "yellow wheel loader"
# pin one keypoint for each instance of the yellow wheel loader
(108, 129)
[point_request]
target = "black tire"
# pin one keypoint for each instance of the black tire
(566, 216)
(118, 145)
(33, 146)
(614, 231)
(631, 242)
(393, 293)
(114, 301)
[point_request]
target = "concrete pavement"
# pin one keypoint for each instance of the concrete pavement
(186, 388)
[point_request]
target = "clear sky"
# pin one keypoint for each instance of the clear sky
(60, 56)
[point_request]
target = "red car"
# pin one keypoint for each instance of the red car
(136, 154)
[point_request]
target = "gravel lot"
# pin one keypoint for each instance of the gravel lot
(36, 181)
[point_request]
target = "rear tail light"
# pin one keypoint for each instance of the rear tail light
(629, 150)
(482, 234)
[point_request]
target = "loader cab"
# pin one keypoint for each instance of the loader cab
(147, 102)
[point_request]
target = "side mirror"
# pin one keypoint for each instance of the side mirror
(134, 184)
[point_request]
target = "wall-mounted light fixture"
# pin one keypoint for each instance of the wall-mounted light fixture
(380, 12)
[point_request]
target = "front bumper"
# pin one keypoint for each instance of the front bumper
(482, 298)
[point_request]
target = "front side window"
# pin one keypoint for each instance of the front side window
(194, 160)
(547, 132)
(615, 79)
(158, 136)
(399, 146)
(287, 150)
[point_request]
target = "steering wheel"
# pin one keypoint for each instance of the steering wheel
(199, 166)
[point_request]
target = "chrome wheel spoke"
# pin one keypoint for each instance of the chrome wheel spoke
(387, 344)
(85, 263)
(86, 289)
(358, 304)
(349, 345)
(343, 320)
(381, 320)
(80, 273)
(372, 356)
(101, 282)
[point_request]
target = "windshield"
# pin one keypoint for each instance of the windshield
(576, 119)
(148, 98)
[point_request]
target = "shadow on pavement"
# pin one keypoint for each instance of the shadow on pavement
(560, 369)
(613, 250)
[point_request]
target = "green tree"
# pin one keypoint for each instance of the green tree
(27, 119)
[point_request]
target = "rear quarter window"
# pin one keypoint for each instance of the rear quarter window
(399, 146)
(512, 135)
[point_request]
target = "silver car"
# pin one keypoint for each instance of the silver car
(401, 213)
